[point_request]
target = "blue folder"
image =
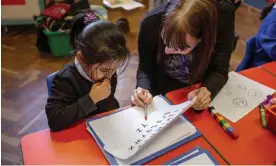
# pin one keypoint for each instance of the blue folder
(180, 159)
(111, 158)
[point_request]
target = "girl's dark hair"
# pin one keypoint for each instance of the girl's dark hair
(266, 10)
(199, 19)
(99, 41)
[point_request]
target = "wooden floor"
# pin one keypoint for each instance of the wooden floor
(24, 70)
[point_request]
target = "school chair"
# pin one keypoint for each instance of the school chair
(49, 81)
(249, 54)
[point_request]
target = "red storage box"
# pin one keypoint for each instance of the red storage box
(271, 118)
(270, 109)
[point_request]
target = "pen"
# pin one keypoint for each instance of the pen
(223, 123)
(146, 108)
(263, 118)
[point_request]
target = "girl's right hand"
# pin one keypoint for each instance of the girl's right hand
(100, 91)
(141, 97)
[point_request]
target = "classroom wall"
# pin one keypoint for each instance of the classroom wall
(259, 4)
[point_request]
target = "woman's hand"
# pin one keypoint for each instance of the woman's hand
(141, 97)
(203, 98)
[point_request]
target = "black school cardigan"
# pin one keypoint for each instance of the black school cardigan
(150, 74)
(70, 101)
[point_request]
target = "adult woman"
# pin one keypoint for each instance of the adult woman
(182, 43)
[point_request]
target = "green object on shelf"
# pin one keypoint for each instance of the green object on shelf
(59, 43)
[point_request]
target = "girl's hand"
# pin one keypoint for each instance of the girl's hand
(141, 97)
(100, 91)
(203, 98)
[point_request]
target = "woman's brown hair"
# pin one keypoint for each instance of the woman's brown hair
(199, 19)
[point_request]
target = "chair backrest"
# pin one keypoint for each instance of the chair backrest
(49, 81)
(249, 54)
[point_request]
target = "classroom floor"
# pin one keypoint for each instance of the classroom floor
(24, 70)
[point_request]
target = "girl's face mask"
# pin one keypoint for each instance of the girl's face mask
(192, 43)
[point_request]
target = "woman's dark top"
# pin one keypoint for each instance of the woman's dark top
(160, 76)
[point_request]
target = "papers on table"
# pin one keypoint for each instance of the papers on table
(239, 96)
(196, 156)
(129, 138)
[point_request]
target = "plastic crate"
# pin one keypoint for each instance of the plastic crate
(59, 43)
(271, 122)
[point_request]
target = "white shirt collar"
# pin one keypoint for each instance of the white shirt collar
(274, 5)
(80, 70)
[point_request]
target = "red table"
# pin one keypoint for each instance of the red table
(75, 146)
(256, 145)
(271, 67)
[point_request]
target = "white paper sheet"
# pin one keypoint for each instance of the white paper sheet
(179, 130)
(132, 5)
(239, 96)
(193, 152)
(202, 159)
(126, 132)
(128, 5)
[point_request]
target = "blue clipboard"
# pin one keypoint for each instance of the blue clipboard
(111, 158)
(180, 159)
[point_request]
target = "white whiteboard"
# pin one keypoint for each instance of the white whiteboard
(21, 12)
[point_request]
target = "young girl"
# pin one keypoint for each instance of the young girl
(184, 42)
(87, 86)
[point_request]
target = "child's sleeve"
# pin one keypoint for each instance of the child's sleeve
(268, 41)
(63, 107)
